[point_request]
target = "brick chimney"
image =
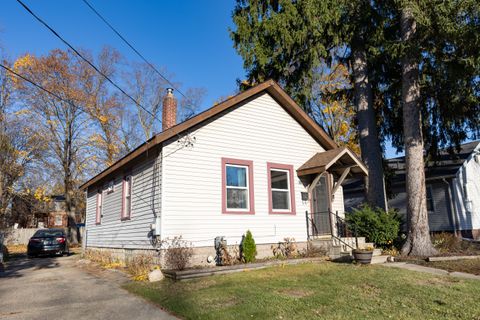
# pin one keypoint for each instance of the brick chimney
(169, 113)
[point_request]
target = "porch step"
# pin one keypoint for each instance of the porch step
(379, 259)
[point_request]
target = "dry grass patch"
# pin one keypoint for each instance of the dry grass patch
(466, 265)
(16, 248)
(296, 293)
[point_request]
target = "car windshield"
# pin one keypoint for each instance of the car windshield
(49, 233)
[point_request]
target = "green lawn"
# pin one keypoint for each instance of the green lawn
(318, 291)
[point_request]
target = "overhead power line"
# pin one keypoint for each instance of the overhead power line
(85, 59)
(35, 84)
(135, 50)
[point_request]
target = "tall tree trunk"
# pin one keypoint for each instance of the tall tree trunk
(418, 240)
(68, 162)
(369, 142)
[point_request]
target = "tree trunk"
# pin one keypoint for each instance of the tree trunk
(67, 167)
(418, 240)
(369, 142)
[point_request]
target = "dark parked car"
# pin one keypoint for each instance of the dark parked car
(48, 241)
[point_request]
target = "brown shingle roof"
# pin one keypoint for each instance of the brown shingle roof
(335, 159)
(269, 86)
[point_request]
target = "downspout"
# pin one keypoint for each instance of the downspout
(453, 209)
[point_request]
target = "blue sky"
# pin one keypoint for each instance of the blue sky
(189, 38)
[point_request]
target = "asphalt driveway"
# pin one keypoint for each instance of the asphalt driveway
(58, 288)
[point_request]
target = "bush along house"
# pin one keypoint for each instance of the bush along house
(254, 162)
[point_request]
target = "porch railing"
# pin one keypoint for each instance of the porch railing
(340, 230)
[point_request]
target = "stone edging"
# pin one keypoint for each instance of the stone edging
(451, 258)
(205, 272)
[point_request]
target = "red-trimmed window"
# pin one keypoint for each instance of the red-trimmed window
(281, 191)
(99, 211)
(127, 196)
(237, 186)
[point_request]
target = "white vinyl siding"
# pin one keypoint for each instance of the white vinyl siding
(466, 190)
(260, 131)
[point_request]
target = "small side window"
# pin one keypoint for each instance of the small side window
(99, 211)
(127, 197)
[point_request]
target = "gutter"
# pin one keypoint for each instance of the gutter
(453, 209)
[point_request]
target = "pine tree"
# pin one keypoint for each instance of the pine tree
(249, 248)
(289, 40)
(439, 106)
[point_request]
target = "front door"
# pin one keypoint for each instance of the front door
(321, 208)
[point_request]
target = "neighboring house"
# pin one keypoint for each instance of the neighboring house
(57, 216)
(452, 190)
(32, 213)
(254, 162)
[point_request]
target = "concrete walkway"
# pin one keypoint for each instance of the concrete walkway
(57, 288)
(416, 267)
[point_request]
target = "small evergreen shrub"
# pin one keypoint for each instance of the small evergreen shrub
(376, 225)
(249, 248)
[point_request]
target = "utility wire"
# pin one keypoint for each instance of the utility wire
(85, 59)
(35, 84)
(135, 50)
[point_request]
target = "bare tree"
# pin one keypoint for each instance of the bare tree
(64, 123)
(148, 90)
(105, 108)
(20, 144)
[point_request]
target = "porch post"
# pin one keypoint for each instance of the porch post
(308, 227)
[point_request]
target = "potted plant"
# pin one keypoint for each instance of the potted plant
(363, 256)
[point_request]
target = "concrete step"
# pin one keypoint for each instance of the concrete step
(380, 259)
(377, 252)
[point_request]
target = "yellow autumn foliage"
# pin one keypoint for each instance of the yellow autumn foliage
(103, 119)
(335, 110)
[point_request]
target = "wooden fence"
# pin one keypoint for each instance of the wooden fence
(19, 236)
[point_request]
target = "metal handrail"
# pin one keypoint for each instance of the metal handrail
(341, 227)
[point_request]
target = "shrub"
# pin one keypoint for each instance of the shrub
(286, 249)
(229, 256)
(249, 248)
(376, 225)
(139, 266)
(178, 253)
(312, 251)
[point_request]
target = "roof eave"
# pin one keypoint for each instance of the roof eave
(269, 86)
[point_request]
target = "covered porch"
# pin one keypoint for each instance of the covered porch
(324, 173)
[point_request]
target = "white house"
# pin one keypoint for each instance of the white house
(254, 162)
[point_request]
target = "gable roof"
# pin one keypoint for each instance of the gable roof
(335, 160)
(269, 86)
(446, 165)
